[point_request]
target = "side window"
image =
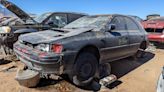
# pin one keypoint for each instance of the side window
(131, 25)
(59, 20)
(120, 23)
(73, 17)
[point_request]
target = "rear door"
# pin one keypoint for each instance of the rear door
(136, 35)
(117, 40)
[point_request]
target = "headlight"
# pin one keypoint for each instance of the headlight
(43, 47)
(5, 29)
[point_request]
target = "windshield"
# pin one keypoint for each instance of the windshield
(89, 21)
(42, 17)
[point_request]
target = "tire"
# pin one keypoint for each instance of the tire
(141, 51)
(140, 54)
(104, 70)
(84, 69)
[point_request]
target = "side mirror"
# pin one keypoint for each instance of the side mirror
(112, 27)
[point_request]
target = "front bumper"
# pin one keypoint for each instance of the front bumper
(49, 64)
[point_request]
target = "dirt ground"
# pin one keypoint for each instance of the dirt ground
(133, 76)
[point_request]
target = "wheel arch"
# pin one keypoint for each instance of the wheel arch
(90, 48)
(143, 45)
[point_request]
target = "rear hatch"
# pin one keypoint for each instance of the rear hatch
(17, 11)
(153, 24)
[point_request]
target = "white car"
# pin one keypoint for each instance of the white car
(160, 86)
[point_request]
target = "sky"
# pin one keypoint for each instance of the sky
(140, 8)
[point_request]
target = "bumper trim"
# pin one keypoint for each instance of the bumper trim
(57, 60)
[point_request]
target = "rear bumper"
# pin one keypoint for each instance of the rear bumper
(6, 43)
(8, 39)
(156, 38)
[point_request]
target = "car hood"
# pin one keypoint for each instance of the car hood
(153, 24)
(49, 36)
(16, 10)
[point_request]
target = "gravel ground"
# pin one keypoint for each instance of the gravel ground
(133, 76)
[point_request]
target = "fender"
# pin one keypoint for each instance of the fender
(25, 31)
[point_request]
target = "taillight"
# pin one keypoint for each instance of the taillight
(57, 48)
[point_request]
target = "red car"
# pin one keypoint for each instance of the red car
(155, 29)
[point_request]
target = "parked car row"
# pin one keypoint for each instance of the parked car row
(74, 44)
(102, 38)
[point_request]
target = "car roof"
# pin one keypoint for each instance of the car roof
(110, 15)
(67, 13)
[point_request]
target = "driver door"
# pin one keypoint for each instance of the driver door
(117, 40)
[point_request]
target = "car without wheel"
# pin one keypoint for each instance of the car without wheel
(82, 47)
(9, 35)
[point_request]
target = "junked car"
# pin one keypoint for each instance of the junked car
(12, 21)
(4, 18)
(81, 47)
(160, 84)
(155, 29)
(9, 35)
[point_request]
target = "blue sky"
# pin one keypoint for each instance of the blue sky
(140, 8)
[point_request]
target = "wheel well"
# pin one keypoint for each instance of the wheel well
(91, 49)
(143, 45)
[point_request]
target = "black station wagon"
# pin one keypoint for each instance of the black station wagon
(9, 35)
(81, 47)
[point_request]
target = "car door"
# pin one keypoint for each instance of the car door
(117, 40)
(135, 35)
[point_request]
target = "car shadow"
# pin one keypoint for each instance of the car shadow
(47, 82)
(124, 66)
(119, 68)
(2, 61)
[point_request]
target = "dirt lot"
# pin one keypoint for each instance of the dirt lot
(134, 76)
